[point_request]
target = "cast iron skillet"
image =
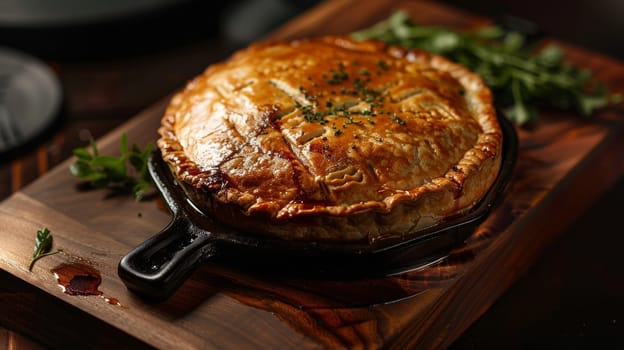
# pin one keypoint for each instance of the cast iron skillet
(158, 266)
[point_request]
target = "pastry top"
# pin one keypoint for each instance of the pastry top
(334, 127)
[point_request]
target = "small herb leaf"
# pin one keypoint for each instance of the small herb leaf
(43, 244)
(82, 153)
(80, 168)
(113, 172)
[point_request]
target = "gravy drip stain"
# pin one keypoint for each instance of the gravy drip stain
(112, 301)
(80, 279)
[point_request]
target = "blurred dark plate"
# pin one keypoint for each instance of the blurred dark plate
(40, 13)
(30, 98)
(73, 30)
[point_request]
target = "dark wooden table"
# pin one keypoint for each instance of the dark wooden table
(109, 72)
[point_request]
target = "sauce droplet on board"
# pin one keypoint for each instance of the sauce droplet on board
(81, 279)
(112, 301)
(78, 279)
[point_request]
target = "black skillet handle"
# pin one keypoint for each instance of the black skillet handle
(157, 267)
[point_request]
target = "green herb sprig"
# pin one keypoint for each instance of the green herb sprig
(112, 172)
(43, 244)
(520, 77)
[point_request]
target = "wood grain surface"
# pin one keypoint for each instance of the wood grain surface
(564, 164)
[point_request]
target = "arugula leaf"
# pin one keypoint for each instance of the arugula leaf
(113, 172)
(43, 244)
(520, 78)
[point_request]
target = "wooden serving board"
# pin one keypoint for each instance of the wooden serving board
(564, 164)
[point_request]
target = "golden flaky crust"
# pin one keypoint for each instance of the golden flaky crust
(333, 140)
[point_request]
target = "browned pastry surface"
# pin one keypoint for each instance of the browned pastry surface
(331, 139)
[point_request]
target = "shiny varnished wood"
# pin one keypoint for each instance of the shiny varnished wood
(564, 164)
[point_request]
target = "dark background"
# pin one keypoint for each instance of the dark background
(112, 68)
